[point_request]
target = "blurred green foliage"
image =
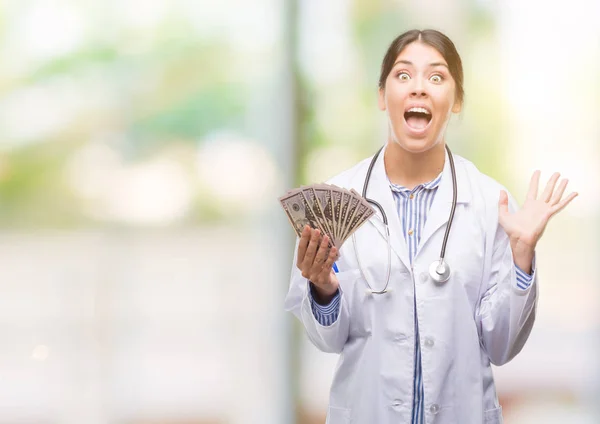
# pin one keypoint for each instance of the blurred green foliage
(179, 88)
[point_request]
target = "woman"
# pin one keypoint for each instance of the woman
(420, 352)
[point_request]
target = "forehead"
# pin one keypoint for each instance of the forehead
(420, 54)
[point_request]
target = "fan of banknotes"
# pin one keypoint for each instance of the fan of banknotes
(335, 211)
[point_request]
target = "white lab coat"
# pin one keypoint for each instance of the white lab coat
(477, 317)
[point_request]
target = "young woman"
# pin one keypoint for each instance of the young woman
(419, 316)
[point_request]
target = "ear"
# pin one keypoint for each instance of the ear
(381, 99)
(457, 107)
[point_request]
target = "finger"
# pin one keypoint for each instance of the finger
(533, 185)
(302, 245)
(326, 271)
(321, 255)
(503, 200)
(559, 192)
(502, 205)
(550, 187)
(559, 207)
(311, 250)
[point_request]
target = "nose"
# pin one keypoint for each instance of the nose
(418, 89)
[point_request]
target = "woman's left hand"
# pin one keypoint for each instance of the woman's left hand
(526, 226)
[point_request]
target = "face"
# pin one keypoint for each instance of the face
(419, 98)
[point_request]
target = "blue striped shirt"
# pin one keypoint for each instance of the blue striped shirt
(412, 207)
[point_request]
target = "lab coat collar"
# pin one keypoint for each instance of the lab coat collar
(380, 191)
(442, 203)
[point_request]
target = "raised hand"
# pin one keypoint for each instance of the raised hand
(526, 226)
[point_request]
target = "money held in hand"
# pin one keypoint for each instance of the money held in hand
(336, 212)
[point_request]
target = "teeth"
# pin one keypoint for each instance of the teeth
(419, 109)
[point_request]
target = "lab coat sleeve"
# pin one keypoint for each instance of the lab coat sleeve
(327, 338)
(325, 314)
(524, 280)
(506, 312)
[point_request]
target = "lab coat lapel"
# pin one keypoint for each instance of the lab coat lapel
(380, 191)
(442, 203)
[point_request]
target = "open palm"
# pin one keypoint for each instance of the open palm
(527, 225)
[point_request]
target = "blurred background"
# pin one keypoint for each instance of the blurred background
(143, 145)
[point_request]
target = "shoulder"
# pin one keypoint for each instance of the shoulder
(482, 184)
(485, 190)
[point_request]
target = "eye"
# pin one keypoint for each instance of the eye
(436, 78)
(403, 76)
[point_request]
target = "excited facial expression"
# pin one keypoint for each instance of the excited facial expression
(419, 98)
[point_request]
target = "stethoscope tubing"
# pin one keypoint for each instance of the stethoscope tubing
(439, 270)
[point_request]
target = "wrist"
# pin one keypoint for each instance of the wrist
(323, 295)
(523, 255)
(518, 246)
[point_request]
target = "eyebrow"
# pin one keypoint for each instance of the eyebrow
(431, 65)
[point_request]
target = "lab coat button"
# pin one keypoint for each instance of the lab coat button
(424, 277)
(434, 409)
(397, 402)
(429, 343)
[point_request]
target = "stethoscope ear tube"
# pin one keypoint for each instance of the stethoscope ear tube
(369, 290)
(366, 186)
(454, 201)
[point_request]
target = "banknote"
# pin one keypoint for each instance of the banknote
(313, 203)
(336, 211)
(336, 206)
(298, 212)
(361, 214)
(323, 194)
(352, 204)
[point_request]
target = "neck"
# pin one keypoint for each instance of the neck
(408, 169)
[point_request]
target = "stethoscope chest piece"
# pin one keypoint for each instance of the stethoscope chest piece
(439, 271)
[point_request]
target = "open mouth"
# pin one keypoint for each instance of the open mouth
(417, 118)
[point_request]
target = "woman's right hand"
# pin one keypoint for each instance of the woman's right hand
(315, 262)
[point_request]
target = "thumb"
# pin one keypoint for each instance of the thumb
(503, 204)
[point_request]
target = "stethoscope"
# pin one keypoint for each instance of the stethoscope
(439, 271)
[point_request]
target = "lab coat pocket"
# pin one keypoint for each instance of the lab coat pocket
(337, 415)
(493, 416)
(466, 257)
(353, 286)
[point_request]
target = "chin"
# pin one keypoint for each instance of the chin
(415, 145)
